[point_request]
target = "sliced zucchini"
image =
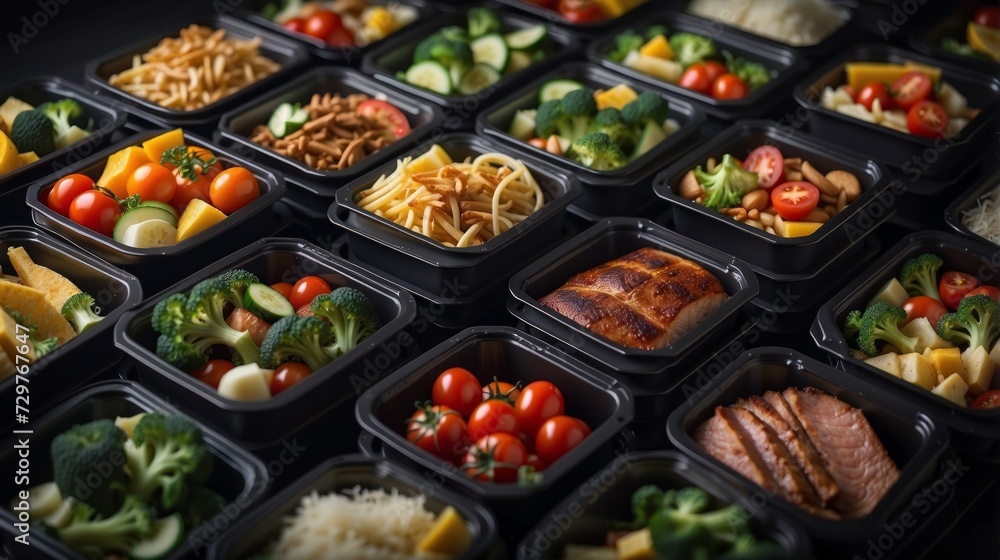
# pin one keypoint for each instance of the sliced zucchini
(519, 60)
(492, 50)
(150, 234)
(160, 205)
(167, 534)
(556, 89)
(430, 75)
(527, 39)
(138, 215)
(522, 126)
(479, 77)
(287, 118)
(266, 303)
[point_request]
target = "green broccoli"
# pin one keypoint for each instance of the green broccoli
(454, 33)
(948, 44)
(747, 547)
(597, 151)
(852, 325)
(725, 187)
(690, 48)
(753, 74)
(32, 131)
(609, 121)
(96, 537)
(881, 322)
(294, 338)
(452, 53)
(578, 108)
(238, 281)
(624, 44)
(168, 457)
(87, 463)
(976, 323)
(649, 107)
(483, 21)
(201, 505)
(547, 118)
(919, 275)
(654, 30)
(646, 502)
(351, 314)
(78, 310)
(60, 112)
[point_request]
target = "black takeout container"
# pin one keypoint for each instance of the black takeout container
(976, 432)
(759, 248)
(429, 265)
(290, 54)
(935, 158)
(341, 474)
(623, 191)
(237, 125)
(589, 512)
(583, 30)
(237, 475)
(927, 39)
(913, 440)
(982, 187)
(261, 424)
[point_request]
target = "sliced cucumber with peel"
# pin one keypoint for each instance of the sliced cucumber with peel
(519, 60)
(160, 205)
(522, 126)
(430, 75)
(526, 39)
(287, 118)
(150, 234)
(141, 214)
(266, 303)
(557, 89)
(478, 78)
(167, 534)
(492, 50)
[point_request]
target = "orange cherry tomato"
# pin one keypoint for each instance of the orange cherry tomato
(233, 189)
(152, 181)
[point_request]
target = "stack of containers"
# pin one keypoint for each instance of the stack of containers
(975, 202)
(589, 29)
(928, 38)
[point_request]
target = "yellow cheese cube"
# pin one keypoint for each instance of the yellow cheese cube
(28, 157)
(617, 97)
(978, 370)
(917, 370)
(860, 74)
(431, 160)
(637, 545)
(448, 535)
(197, 217)
(156, 145)
(947, 361)
(800, 229)
(658, 47)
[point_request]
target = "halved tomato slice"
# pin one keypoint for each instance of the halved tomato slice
(384, 112)
(795, 200)
(769, 165)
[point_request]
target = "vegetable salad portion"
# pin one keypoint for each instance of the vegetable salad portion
(342, 23)
(982, 36)
(28, 133)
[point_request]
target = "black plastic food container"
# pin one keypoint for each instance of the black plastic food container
(609, 240)
(927, 39)
(237, 126)
(431, 266)
(253, 534)
(290, 54)
(772, 252)
(976, 432)
(782, 62)
(384, 61)
(594, 397)
(935, 158)
(262, 423)
(237, 475)
(969, 200)
(621, 192)
(913, 440)
(585, 30)
(183, 258)
(75, 363)
(592, 510)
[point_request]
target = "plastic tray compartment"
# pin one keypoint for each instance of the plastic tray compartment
(609, 240)
(586, 30)
(263, 526)
(600, 401)
(913, 440)
(927, 39)
(237, 475)
(983, 187)
(290, 54)
(975, 432)
(427, 264)
(623, 191)
(593, 514)
(785, 65)
(759, 248)
(937, 158)
(384, 61)
(265, 422)
(237, 126)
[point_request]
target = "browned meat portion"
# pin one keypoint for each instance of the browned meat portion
(715, 436)
(647, 299)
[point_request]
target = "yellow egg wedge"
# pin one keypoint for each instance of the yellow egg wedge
(432, 160)
(196, 218)
(448, 535)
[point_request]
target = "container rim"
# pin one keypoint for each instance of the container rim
(554, 18)
(952, 214)
(918, 41)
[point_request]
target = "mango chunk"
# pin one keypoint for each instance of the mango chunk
(617, 97)
(197, 217)
(448, 536)
(120, 167)
(658, 47)
(156, 145)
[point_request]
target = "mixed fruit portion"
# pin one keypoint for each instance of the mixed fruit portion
(342, 23)
(982, 36)
(28, 133)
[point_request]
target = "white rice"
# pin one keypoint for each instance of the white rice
(793, 22)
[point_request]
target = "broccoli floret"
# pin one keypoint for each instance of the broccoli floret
(747, 547)
(597, 151)
(654, 30)
(238, 281)
(919, 275)
(949, 44)
(881, 322)
(578, 108)
(454, 33)
(44, 347)
(168, 456)
(96, 537)
(351, 314)
(78, 310)
(690, 48)
(201, 505)
(649, 107)
(38, 348)
(725, 187)
(32, 131)
(753, 74)
(79, 452)
(686, 526)
(976, 323)
(452, 53)
(609, 121)
(483, 21)
(646, 501)
(852, 325)
(294, 338)
(547, 118)
(625, 43)
(60, 112)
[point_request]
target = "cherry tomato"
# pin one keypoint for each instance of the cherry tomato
(954, 286)
(714, 69)
(986, 291)
(152, 181)
(729, 86)
(988, 400)
(457, 388)
(558, 435)
(496, 458)
(769, 165)
(186, 193)
(493, 416)
(911, 88)
(322, 23)
(212, 372)
(296, 24)
(850, 91)
(288, 374)
(550, 4)
(306, 290)
(927, 119)
(581, 11)
(341, 37)
(233, 189)
(64, 190)
(385, 114)
(873, 91)
(696, 78)
(501, 390)
(439, 430)
(285, 289)
(924, 306)
(538, 402)
(988, 16)
(795, 200)
(95, 210)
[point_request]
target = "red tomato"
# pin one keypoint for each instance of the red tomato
(954, 286)
(385, 114)
(285, 289)
(233, 189)
(850, 91)
(501, 390)
(212, 372)
(558, 435)
(439, 430)
(186, 193)
(152, 181)
(496, 458)
(341, 37)
(988, 16)
(696, 78)
(728, 87)
(911, 88)
(535, 462)
(550, 4)
(769, 165)
(306, 290)
(538, 402)
(986, 291)
(493, 416)
(714, 69)
(873, 91)
(989, 399)
(322, 23)
(296, 24)
(924, 306)
(64, 190)
(927, 119)
(581, 11)
(795, 200)
(95, 210)
(288, 374)
(458, 388)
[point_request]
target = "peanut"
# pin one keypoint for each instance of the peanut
(793, 164)
(815, 177)
(767, 219)
(817, 216)
(756, 199)
(739, 213)
(793, 175)
(754, 223)
(847, 182)
(690, 189)
(754, 214)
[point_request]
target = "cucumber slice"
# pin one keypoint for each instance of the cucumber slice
(556, 89)
(527, 39)
(286, 119)
(150, 234)
(522, 126)
(491, 49)
(43, 500)
(160, 205)
(519, 60)
(479, 77)
(138, 215)
(266, 303)
(430, 75)
(651, 135)
(167, 534)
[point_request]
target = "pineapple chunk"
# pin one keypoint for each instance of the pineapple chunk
(978, 371)
(637, 545)
(657, 47)
(666, 70)
(953, 388)
(921, 329)
(448, 535)
(947, 361)
(800, 229)
(196, 218)
(918, 370)
(888, 363)
(892, 293)
(617, 97)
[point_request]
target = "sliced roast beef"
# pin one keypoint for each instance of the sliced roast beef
(715, 437)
